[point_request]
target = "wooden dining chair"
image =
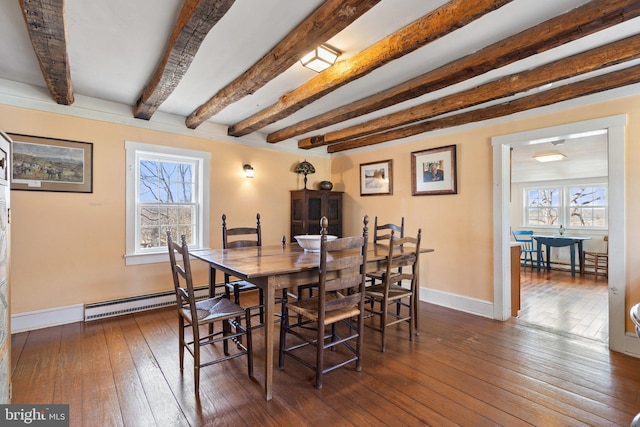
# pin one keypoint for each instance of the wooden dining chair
(599, 261)
(193, 313)
(403, 252)
(339, 301)
(381, 234)
(242, 237)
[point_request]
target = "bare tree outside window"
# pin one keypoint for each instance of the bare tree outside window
(166, 201)
(588, 206)
(544, 206)
(577, 206)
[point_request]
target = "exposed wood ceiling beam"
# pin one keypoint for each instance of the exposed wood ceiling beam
(196, 19)
(595, 59)
(46, 26)
(582, 21)
(432, 26)
(616, 79)
(325, 22)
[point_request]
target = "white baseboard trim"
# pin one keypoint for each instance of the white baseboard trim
(457, 302)
(39, 319)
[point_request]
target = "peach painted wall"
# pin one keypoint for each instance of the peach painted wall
(68, 248)
(460, 227)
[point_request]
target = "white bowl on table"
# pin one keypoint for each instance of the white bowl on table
(311, 242)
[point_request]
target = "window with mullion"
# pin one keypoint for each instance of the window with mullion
(167, 190)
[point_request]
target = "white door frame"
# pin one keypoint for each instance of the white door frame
(615, 126)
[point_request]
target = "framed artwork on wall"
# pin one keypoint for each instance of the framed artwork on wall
(47, 164)
(433, 171)
(376, 178)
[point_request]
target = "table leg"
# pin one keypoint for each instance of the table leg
(548, 264)
(580, 259)
(212, 290)
(538, 254)
(269, 330)
(573, 260)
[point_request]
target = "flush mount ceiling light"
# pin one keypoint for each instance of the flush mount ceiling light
(320, 58)
(551, 157)
(248, 171)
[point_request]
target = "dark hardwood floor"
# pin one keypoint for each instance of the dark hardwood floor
(565, 304)
(461, 370)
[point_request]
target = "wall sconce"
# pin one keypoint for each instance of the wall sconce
(248, 171)
(551, 157)
(320, 58)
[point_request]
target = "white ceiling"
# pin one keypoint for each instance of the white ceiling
(115, 45)
(585, 157)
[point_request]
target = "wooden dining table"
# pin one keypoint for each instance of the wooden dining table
(277, 267)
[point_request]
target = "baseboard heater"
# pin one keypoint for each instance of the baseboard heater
(102, 310)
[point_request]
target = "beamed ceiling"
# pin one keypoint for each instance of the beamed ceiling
(408, 66)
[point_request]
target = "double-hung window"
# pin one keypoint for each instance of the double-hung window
(578, 206)
(167, 190)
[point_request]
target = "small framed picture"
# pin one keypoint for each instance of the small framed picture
(47, 164)
(376, 178)
(433, 171)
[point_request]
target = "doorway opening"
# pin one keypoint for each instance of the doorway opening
(502, 145)
(567, 196)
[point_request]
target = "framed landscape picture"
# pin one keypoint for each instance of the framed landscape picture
(433, 171)
(47, 164)
(376, 178)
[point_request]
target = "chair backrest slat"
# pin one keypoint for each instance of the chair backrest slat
(181, 273)
(383, 232)
(403, 251)
(342, 274)
(525, 237)
(252, 236)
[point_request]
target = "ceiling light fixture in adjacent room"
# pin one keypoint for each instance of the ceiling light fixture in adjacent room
(550, 157)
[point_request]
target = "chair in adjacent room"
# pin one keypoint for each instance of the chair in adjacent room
(599, 261)
(382, 233)
(527, 246)
(242, 237)
(337, 307)
(403, 252)
(193, 313)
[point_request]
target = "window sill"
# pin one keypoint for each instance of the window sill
(151, 258)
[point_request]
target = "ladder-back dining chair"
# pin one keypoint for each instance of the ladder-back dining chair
(242, 237)
(599, 261)
(339, 302)
(527, 246)
(382, 233)
(193, 313)
(405, 252)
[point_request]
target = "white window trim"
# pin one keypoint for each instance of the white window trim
(132, 150)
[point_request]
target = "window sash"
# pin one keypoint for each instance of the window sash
(574, 206)
(176, 198)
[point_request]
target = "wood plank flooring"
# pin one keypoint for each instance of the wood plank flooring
(565, 304)
(461, 370)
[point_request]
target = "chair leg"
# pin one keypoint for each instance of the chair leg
(384, 306)
(181, 341)
(319, 356)
(261, 302)
(411, 316)
(196, 359)
(284, 326)
(249, 343)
